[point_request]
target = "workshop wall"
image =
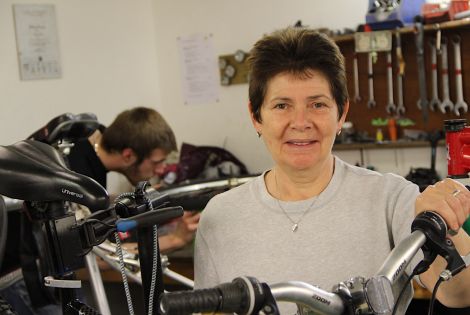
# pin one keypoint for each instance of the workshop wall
(237, 25)
(233, 25)
(117, 54)
(107, 50)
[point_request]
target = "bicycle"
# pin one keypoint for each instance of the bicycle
(36, 172)
(60, 133)
(246, 295)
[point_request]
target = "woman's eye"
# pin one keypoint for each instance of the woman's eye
(319, 105)
(281, 106)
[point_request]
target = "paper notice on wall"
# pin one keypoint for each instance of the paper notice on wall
(199, 73)
(37, 41)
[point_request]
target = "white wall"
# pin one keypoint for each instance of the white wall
(108, 54)
(118, 54)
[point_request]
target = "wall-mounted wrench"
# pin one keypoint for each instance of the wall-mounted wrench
(391, 107)
(357, 96)
(423, 101)
(446, 102)
(435, 101)
(460, 104)
(371, 103)
(400, 74)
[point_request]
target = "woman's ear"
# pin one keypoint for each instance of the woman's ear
(255, 123)
(342, 119)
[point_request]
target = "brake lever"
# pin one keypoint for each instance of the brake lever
(435, 229)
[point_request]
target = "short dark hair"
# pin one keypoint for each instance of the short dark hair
(141, 129)
(297, 51)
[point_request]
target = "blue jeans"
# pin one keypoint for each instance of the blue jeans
(17, 296)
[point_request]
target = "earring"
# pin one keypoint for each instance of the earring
(339, 132)
(259, 134)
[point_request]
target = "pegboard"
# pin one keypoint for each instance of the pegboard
(361, 115)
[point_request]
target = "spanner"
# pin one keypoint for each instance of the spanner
(371, 103)
(400, 73)
(423, 101)
(435, 98)
(460, 103)
(391, 107)
(446, 102)
(357, 96)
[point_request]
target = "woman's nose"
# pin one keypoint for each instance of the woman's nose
(300, 119)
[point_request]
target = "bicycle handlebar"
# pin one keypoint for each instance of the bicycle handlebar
(377, 290)
(369, 296)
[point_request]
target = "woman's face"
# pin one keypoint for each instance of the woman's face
(299, 120)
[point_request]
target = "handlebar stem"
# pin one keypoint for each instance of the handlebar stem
(305, 294)
(396, 263)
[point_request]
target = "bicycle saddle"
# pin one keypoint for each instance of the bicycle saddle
(67, 127)
(34, 171)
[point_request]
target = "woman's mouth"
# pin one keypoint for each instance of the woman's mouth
(300, 142)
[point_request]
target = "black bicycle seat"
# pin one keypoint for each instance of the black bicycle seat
(67, 127)
(35, 171)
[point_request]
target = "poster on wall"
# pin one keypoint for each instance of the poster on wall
(37, 41)
(199, 72)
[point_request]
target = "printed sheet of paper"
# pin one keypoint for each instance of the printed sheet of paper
(199, 72)
(37, 41)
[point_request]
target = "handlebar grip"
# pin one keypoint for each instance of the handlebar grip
(227, 300)
(240, 297)
(198, 301)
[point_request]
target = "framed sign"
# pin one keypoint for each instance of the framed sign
(37, 41)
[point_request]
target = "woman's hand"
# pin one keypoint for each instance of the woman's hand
(449, 198)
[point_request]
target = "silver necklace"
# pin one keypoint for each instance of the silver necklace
(295, 225)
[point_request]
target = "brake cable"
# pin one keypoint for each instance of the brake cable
(156, 252)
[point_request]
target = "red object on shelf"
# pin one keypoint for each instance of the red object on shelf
(432, 12)
(457, 6)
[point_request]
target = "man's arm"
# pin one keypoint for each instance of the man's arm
(182, 234)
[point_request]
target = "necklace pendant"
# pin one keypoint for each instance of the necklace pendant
(295, 227)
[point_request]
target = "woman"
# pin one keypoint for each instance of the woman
(313, 217)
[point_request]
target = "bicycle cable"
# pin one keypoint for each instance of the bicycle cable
(421, 267)
(156, 251)
(433, 296)
(155, 259)
(403, 290)
(121, 260)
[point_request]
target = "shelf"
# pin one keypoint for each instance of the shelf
(385, 145)
(410, 29)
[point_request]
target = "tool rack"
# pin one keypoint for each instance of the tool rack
(361, 115)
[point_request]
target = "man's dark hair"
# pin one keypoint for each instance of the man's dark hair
(296, 51)
(141, 129)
